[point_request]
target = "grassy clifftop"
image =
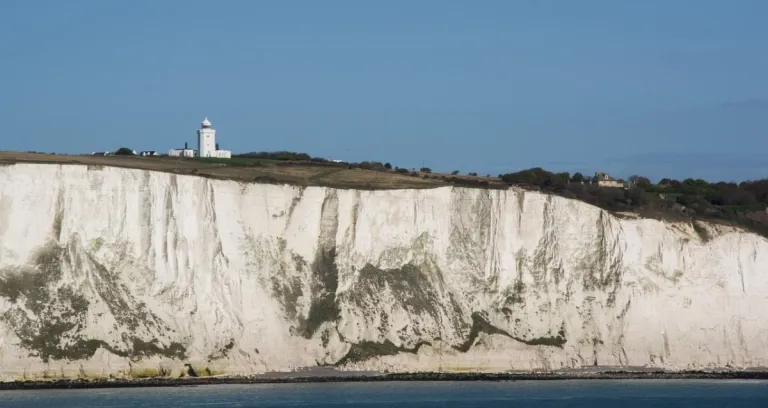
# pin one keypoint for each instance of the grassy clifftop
(263, 171)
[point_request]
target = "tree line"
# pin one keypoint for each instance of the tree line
(741, 203)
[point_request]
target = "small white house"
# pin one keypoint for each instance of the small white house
(147, 153)
(181, 153)
(604, 180)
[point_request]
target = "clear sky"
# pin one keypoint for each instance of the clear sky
(656, 86)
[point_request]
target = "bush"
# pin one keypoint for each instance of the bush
(366, 165)
(124, 151)
(578, 178)
(425, 170)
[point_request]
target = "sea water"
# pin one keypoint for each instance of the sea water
(576, 393)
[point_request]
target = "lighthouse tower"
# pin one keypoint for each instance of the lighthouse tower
(206, 139)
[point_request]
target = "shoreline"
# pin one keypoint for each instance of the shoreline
(404, 377)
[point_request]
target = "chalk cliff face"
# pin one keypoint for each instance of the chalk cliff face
(107, 271)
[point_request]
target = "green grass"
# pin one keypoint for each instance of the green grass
(236, 161)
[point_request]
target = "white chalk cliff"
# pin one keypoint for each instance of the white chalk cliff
(108, 271)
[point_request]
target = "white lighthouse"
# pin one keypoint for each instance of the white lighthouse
(206, 139)
(206, 142)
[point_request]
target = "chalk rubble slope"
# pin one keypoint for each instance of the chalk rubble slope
(107, 271)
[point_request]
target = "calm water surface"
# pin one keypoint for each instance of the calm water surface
(591, 394)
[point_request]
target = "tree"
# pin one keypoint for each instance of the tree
(640, 181)
(387, 166)
(560, 180)
(124, 151)
(577, 178)
(636, 197)
(425, 170)
(535, 176)
(455, 172)
(669, 183)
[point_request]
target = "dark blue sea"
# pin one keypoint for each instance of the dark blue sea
(580, 394)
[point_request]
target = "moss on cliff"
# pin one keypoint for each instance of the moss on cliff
(408, 285)
(121, 303)
(418, 291)
(325, 282)
(45, 316)
(367, 349)
(222, 351)
(287, 290)
(143, 349)
(48, 315)
(481, 325)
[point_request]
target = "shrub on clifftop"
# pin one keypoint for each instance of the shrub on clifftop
(124, 151)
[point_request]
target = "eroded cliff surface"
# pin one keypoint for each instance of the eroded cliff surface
(107, 271)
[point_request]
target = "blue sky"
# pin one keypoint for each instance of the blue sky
(663, 88)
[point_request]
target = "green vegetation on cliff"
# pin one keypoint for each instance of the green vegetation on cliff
(743, 204)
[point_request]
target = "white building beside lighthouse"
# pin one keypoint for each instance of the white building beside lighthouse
(206, 142)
